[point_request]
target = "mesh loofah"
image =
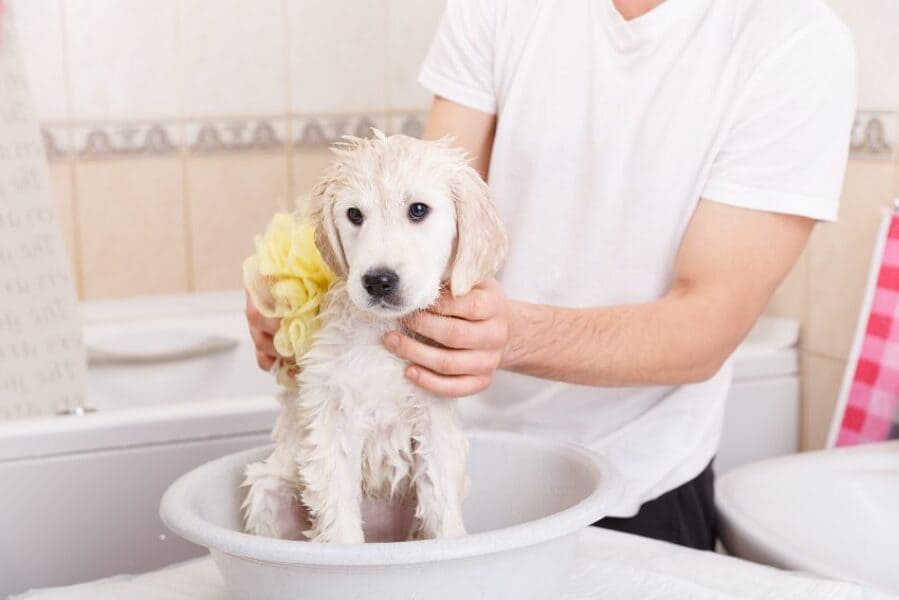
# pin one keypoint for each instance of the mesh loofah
(287, 279)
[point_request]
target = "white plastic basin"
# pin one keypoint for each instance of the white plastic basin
(834, 513)
(529, 498)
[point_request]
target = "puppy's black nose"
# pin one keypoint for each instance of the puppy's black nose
(380, 283)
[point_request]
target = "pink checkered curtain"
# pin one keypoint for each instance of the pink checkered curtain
(868, 407)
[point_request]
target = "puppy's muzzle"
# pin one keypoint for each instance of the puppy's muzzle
(381, 284)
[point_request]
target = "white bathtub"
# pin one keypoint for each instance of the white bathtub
(79, 494)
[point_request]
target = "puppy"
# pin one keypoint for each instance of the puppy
(396, 220)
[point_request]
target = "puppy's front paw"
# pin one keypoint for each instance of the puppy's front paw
(271, 508)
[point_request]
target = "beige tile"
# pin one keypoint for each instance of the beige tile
(234, 61)
(123, 58)
(821, 379)
(411, 28)
(307, 168)
(61, 184)
(873, 25)
(231, 198)
(840, 256)
(40, 27)
(337, 56)
(131, 217)
(789, 300)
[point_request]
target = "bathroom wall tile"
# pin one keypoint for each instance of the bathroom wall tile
(236, 134)
(40, 28)
(316, 132)
(337, 56)
(126, 139)
(231, 199)
(896, 183)
(821, 380)
(131, 219)
(307, 168)
(873, 25)
(840, 257)
(57, 141)
(410, 123)
(411, 26)
(875, 134)
(790, 298)
(123, 59)
(61, 185)
(233, 57)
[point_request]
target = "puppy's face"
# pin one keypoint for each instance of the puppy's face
(397, 238)
(389, 222)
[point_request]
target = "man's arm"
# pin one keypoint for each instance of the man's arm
(730, 262)
(470, 130)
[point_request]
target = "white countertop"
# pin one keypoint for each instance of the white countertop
(609, 565)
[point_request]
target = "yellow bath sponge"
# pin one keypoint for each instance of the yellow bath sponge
(287, 279)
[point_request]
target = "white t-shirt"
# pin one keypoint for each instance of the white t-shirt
(608, 134)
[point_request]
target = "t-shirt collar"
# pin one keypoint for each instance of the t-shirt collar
(630, 35)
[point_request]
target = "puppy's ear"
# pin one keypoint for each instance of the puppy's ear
(321, 212)
(480, 236)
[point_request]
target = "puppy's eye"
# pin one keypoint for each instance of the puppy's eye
(418, 211)
(355, 216)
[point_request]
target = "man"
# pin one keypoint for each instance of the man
(659, 167)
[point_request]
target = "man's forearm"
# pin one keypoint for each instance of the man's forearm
(678, 339)
(729, 263)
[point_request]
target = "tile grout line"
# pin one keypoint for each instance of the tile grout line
(388, 88)
(288, 119)
(183, 154)
(188, 222)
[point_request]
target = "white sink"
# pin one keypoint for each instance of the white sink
(834, 513)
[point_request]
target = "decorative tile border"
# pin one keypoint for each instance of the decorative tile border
(411, 124)
(874, 135)
(322, 131)
(56, 142)
(236, 135)
(202, 137)
(125, 140)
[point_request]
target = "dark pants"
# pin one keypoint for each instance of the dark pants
(684, 516)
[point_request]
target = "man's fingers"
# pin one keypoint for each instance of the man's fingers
(453, 386)
(441, 360)
(264, 361)
(264, 324)
(259, 321)
(457, 333)
(477, 305)
(263, 342)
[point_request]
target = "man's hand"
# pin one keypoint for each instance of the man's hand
(470, 333)
(262, 330)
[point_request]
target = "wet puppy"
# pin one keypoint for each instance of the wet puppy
(397, 220)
